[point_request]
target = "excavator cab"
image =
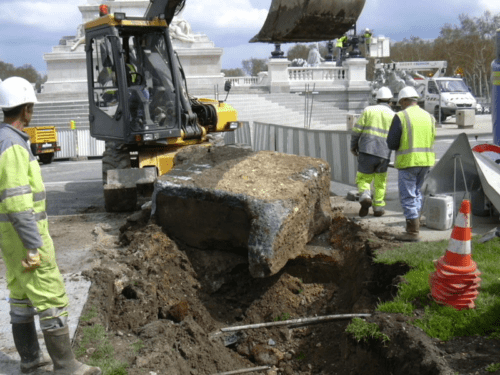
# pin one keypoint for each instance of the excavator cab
(136, 86)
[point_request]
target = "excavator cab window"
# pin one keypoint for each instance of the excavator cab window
(150, 95)
(154, 80)
(105, 84)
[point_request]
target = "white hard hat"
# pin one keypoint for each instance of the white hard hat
(367, 29)
(408, 92)
(15, 91)
(384, 93)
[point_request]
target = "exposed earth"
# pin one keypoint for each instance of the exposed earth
(169, 302)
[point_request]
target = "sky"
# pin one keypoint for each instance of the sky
(30, 28)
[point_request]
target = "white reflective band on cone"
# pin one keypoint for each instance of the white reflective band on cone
(459, 247)
(462, 221)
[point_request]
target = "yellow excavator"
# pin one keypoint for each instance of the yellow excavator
(138, 97)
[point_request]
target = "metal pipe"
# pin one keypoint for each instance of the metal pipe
(244, 370)
(295, 321)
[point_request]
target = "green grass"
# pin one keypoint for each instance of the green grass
(493, 367)
(137, 346)
(362, 330)
(282, 317)
(301, 356)
(440, 321)
(95, 337)
(90, 314)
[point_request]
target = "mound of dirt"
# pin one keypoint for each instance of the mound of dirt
(175, 299)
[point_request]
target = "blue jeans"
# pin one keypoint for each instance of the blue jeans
(410, 181)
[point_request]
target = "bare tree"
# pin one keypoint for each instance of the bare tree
(468, 47)
(254, 66)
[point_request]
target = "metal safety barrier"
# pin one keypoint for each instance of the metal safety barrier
(329, 145)
(78, 142)
(242, 135)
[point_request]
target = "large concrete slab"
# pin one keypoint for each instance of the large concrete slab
(266, 204)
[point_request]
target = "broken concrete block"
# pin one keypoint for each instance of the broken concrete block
(265, 205)
(124, 185)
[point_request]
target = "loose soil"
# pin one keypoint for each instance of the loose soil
(173, 300)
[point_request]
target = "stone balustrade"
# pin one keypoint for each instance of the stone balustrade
(320, 74)
(243, 81)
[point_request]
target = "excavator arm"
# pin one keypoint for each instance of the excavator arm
(169, 8)
(308, 20)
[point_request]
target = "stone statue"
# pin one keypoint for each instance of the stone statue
(410, 80)
(180, 29)
(314, 58)
(301, 63)
(395, 82)
(80, 37)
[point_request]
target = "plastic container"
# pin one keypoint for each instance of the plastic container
(439, 212)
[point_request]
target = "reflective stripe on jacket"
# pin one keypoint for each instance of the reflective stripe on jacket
(416, 148)
(22, 193)
(370, 131)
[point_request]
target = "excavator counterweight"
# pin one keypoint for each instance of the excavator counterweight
(308, 20)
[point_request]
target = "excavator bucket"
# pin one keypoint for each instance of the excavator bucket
(308, 20)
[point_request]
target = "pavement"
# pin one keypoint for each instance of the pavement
(77, 288)
(394, 221)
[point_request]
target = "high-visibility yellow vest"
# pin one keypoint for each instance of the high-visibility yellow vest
(374, 125)
(132, 70)
(368, 38)
(416, 147)
(23, 220)
(340, 41)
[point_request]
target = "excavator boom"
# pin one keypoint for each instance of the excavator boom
(308, 20)
(169, 8)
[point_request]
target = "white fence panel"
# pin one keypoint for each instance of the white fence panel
(77, 142)
(329, 145)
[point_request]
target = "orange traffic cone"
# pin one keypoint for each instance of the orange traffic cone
(456, 280)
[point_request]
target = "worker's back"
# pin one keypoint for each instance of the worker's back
(374, 125)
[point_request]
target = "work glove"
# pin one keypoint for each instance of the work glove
(355, 151)
(32, 260)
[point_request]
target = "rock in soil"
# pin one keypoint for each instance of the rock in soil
(267, 205)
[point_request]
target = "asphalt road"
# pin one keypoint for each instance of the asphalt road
(73, 187)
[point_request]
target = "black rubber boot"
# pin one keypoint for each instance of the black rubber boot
(59, 347)
(27, 346)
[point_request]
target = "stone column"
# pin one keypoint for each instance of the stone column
(278, 75)
(357, 72)
(358, 88)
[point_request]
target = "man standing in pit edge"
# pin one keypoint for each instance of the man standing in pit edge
(412, 135)
(369, 144)
(33, 278)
